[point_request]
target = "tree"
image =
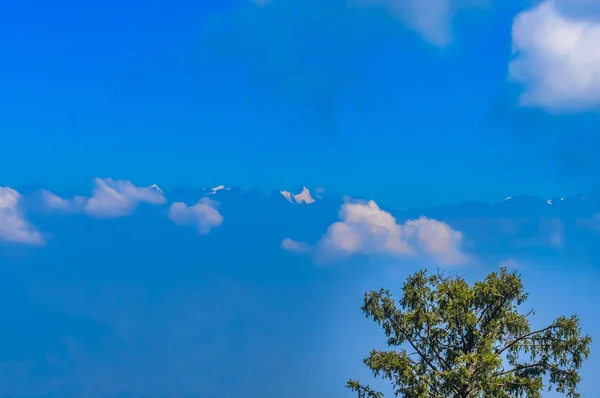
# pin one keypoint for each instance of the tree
(458, 340)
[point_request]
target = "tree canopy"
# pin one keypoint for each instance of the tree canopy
(452, 339)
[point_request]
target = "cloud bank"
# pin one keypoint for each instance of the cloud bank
(366, 229)
(557, 56)
(110, 199)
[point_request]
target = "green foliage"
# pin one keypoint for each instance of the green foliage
(462, 341)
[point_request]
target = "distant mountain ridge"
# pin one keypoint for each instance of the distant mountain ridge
(302, 195)
(517, 206)
(512, 206)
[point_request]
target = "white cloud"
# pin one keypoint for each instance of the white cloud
(366, 229)
(437, 239)
(112, 199)
(203, 215)
(557, 56)
(295, 247)
(13, 226)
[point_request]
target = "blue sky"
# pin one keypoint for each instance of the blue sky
(295, 91)
(409, 105)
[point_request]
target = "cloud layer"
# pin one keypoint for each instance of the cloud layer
(110, 199)
(119, 198)
(557, 56)
(366, 229)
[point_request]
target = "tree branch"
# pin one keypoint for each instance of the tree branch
(524, 337)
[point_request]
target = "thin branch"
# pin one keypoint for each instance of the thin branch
(512, 343)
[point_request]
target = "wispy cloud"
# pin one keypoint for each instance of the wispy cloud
(364, 228)
(432, 19)
(557, 56)
(295, 247)
(113, 199)
(204, 215)
(54, 203)
(13, 225)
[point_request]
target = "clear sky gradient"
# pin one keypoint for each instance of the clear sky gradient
(291, 92)
(126, 291)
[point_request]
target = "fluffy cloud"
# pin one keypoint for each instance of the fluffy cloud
(13, 226)
(366, 229)
(557, 56)
(203, 215)
(295, 247)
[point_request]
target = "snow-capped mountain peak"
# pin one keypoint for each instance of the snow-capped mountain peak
(319, 193)
(156, 187)
(287, 195)
(302, 197)
(216, 189)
